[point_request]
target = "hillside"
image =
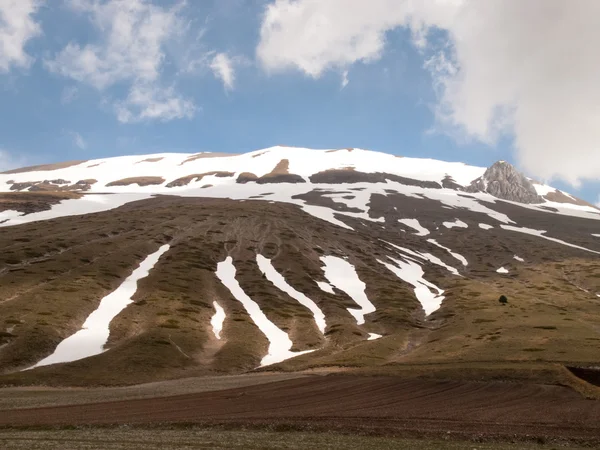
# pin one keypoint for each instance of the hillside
(141, 268)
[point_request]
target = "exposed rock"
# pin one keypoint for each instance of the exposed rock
(184, 181)
(503, 181)
(140, 181)
(349, 175)
(246, 177)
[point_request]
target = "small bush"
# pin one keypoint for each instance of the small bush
(503, 300)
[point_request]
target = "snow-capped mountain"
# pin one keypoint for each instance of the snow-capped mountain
(158, 266)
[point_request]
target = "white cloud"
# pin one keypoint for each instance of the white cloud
(222, 67)
(69, 94)
(17, 28)
(345, 79)
(526, 68)
(147, 102)
(78, 140)
(131, 51)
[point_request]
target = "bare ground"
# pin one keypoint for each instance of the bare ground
(385, 406)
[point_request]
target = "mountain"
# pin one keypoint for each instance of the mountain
(140, 268)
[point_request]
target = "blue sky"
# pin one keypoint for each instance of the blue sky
(97, 78)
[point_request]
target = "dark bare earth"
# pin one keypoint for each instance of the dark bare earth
(390, 406)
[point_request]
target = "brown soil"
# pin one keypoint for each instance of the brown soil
(30, 202)
(151, 160)
(45, 167)
(559, 197)
(377, 405)
(140, 181)
(184, 181)
(280, 174)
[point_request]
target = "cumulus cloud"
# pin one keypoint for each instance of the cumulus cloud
(17, 28)
(134, 34)
(222, 67)
(147, 102)
(529, 69)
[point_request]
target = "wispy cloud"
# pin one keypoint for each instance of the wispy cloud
(69, 94)
(78, 140)
(17, 28)
(222, 67)
(345, 79)
(9, 160)
(131, 50)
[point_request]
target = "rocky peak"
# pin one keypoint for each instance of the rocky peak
(503, 181)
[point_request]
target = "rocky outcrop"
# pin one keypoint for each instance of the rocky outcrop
(503, 181)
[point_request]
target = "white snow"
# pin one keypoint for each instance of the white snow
(518, 258)
(457, 223)
(543, 189)
(374, 336)
(279, 341)
(540, 233)
(455, 255)
(325, 287)
(92, 337)
(9, 215)
(266, 267)
(485, 226)
(341, 274)
(415, 225)
(427, 257)
(412, 273)
(75, 207)
(596, 235)
(303, 162)
(217, 320)
(502, 270)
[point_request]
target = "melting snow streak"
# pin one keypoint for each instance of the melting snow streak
(461, 258)
(412, 273)
(217, 320)
(277, 279)
(343, 276)
(92, 337)
(279, 341)
(540, 233)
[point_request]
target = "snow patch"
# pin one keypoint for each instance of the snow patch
(518, 258)
(456, 224)
(266, 267)
(341, 274)
(455, 255)
(427, 257)
(415, 225)
(217, 320)
(325, 287)
(279, 341)
(540, 233)
(92, 337)
(374, 336)
(485, 226)
(502, 270)
(412, 273)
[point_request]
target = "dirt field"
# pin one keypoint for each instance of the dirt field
(386, 406)
(192, 438)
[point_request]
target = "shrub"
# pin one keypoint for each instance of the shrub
(503, 300)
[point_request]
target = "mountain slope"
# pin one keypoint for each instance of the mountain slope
(287, 258)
